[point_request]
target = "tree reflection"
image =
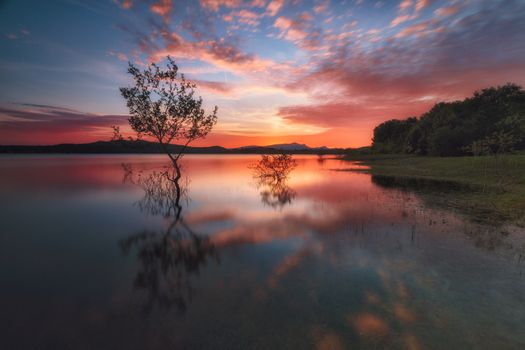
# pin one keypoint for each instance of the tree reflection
(167, 258)
(271, 175)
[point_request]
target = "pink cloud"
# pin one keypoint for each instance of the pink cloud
(400, 19)
(214, 86)
(243, 16)
(322, 7)
(274, 6)
(214, 5)
(418, 29)
(305, 16)
(162, 8)
(446, 11)
(421, 4)
(121, 56)
(283, 23)
(350, 115)
(298, 31)
(216, 52)
(405, 5)
(258, 3)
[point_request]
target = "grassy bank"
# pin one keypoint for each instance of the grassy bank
(496, 185)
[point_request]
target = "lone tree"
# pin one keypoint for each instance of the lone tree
(163, 105)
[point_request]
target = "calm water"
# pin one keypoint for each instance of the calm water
(99, 252)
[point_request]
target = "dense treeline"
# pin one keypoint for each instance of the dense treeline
(492, 121)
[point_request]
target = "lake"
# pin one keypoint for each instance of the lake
(112, 251)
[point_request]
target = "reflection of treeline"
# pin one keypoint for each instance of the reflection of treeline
(492, 121)
(420, 184)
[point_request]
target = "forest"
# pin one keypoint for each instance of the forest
(490, 122)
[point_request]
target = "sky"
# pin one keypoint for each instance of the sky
(319, 72)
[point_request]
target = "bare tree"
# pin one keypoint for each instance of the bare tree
(163, 105)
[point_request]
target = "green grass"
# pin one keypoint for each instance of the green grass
(497, 184)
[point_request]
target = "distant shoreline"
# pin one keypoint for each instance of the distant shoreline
(145, 147)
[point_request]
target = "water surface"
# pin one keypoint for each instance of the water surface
(99, 252)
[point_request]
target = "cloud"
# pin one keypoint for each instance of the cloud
(52, 124)
(421, 4)
(274, 6)
(379, 4)
(120, 55)
(17, 34)
(162, 8)
(416, 29)
(404, 5)
(400, 19)
(404, 14)
(446, 11)
(350, 115)
(214, 86)
(215, 5)
(243, 16)
(125, 4)
(322, 7)
(289, 29)
(47, 107)
(301, 32)
(216, 52)
(258, 3)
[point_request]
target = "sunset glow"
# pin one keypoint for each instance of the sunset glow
(323, 73)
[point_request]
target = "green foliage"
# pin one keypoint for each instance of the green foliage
(390, 136)
(492, 121)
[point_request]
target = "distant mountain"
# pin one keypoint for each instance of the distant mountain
(287, 147)
(290, 146)
(141, 146)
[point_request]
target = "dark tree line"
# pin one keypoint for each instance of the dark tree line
(492, 121)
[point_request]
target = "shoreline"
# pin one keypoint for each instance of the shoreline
(490, 189)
